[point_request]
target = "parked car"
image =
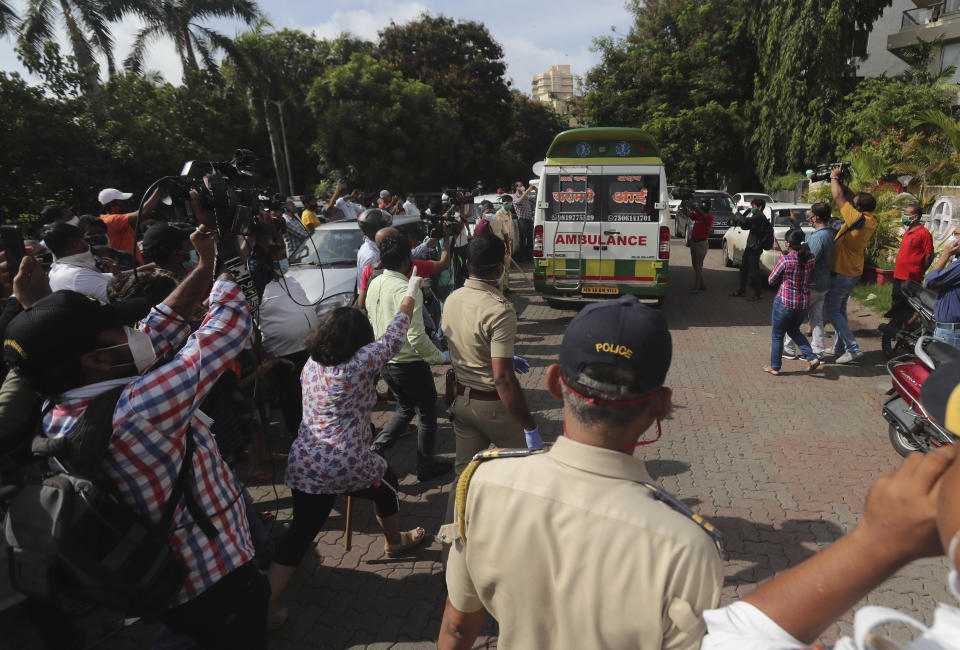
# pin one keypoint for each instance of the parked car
(783, 216)
(721, 207)
(743, 199)
(325, 265)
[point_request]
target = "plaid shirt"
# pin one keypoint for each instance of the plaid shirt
(524, 208)
(795, 289)
(148, 441)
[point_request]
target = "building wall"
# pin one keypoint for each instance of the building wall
(879, 60)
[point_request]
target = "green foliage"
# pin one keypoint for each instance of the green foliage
(881, 300)
(464, 65)
(806, 68)
(685, 74)
(533, 126)
(375, 128)
(787, 181)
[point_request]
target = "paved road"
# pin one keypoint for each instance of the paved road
(782, 466)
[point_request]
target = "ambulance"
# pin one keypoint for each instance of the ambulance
(602, 221)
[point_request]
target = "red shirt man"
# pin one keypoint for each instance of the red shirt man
(916, 248)
(702, 223)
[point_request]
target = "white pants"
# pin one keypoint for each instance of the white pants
(815, 317)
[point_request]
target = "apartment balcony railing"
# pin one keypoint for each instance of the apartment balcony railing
(920, 16)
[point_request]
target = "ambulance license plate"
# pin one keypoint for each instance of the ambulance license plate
(600, 290)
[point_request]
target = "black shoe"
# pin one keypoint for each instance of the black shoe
(430, 469)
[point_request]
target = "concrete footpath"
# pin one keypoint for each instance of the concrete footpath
(781, 465)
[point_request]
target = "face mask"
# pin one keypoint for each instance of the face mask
(950, 240)
(141, 349)
(284, 266)
(191, 261)
(488, 216)
(906, 219)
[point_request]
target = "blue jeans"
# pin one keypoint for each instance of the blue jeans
(787, 321)
(950, 337)
(835, 306)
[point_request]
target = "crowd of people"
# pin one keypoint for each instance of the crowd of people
(570, 547)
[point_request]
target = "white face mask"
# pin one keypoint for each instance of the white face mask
(141, 348)
(488, 216)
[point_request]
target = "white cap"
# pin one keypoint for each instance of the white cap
(384, 194)
(109, 195)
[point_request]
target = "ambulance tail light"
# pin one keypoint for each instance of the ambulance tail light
(538, 241)
(664, 243)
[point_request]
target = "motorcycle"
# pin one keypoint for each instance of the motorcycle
(896, 342)
(911, 428)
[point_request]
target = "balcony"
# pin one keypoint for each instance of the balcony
(927, 22)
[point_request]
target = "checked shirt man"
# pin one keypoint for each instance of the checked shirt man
(223, 603)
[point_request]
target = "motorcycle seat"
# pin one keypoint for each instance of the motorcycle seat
(941, 353)
(926, 297)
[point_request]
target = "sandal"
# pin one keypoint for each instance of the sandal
(770, 370)
(277, 619)
(813, 365)
(408, 539)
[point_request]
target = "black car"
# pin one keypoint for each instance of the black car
(721, 207)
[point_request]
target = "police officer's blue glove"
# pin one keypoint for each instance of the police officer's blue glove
(521, 365)
(446, 356)
(533, 438)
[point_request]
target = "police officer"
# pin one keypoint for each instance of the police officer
(502, 226)
(576, 547)
(480, 326)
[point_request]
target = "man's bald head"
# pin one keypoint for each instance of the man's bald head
(385, 232)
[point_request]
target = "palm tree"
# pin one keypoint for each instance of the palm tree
(8, 18)
(179, 20)
(940, 121)
(87, 26)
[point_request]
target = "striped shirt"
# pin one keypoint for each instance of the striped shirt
(795, 289)
(149, 426)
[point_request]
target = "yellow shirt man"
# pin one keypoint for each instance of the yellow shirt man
(848, 246)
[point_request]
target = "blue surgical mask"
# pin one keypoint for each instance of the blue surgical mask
(284, 266)
(191, 261)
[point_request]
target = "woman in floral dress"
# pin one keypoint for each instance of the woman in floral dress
(332, 455)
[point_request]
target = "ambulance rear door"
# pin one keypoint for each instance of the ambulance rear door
(571, 220)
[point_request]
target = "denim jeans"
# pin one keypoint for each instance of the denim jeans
(785, 320)
(815, 317)
(836, 308)
(416, 393)
(950, 337)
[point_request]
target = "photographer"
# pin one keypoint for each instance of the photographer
(223, 602)
(756, 222)
(846, 261)
(702, 222)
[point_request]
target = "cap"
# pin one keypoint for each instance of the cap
(940, 396)
(61, 327)
(623, 333)
(384, 194)
(109, 195)
(163, 236)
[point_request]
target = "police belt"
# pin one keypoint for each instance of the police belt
(482, 395)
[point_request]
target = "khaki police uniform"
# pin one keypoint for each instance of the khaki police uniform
(479, 324)
(569, 549)
(502, 226)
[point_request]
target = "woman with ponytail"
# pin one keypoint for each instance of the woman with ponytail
(792, 301)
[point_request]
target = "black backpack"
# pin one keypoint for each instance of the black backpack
(765, 236)
(70, 534)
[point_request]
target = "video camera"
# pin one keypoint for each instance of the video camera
(822, 172)
(235, 209)
(683, 193)
(436, 222)
(457, 195)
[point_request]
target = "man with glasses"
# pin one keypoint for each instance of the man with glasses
(945, 278)
(820, 242)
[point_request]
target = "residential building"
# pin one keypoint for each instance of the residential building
(877, 60)
(555, 87)
(929, 20)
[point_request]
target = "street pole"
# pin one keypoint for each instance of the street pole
(286, 149)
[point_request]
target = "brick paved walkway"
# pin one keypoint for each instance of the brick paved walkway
(781, 465)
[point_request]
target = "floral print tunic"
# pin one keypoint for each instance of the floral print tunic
(332, 454)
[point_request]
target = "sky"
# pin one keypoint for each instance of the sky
(534, 36)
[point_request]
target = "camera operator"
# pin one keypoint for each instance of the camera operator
(223, 603)
(756, 222)
(846, 261)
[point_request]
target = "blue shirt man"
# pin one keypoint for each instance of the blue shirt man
(945, 278)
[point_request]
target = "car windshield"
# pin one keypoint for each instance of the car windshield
(330, 246)
(718, 203)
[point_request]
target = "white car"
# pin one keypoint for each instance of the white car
(784, 216)
(325, 265)
(743, 200)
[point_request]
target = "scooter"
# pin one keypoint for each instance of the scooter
(921, 322)
(911, 428)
